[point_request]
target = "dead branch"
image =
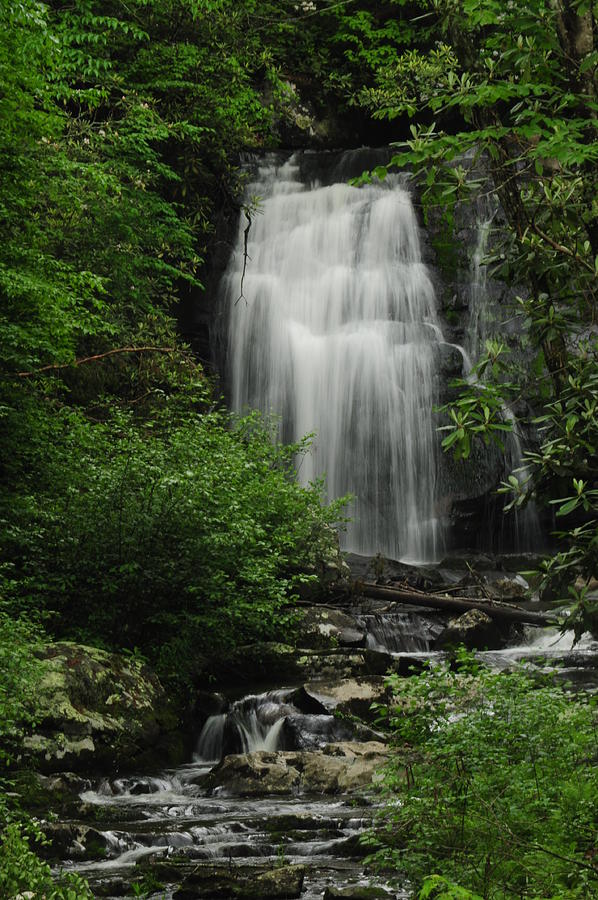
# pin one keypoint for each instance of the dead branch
(245, 255)
(56, 367)
(493, 608)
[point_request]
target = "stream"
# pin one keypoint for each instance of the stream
(221, 808)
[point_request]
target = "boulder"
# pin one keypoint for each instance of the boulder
(356, 892)
(506, 587)
(70, 839)
(230, 883)
(337, 768)
(324, 627)
(350, 696)
(95, 710)
(475, 630)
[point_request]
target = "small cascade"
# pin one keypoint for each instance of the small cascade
(252, 723)
(337, 332)
(275, 720)
(399, 632)
(524, 522)
(211, 739)
(480, 325)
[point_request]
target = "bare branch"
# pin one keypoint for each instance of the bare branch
(245, 254)
(56, 367)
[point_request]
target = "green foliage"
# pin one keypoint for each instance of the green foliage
(21, 870)
(479, 410)
(566, 458)
(20, 867)
(19, 642)
(435, 887)
(132, 513)
(182, 534)
(492, 782)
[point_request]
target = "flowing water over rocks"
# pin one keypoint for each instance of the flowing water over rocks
(279, 789)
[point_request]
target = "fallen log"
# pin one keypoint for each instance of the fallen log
(493, 608)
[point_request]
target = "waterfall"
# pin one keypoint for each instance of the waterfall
(484, 324)
(337, 333)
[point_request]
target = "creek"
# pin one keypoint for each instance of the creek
(277, 778)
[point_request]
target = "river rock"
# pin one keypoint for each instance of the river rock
(97, 709)
(324, 627)
(71, 839)
(475, 630)
(506, 587)
(284, 883)
(356, 892)
(341, 767)
(350, 696)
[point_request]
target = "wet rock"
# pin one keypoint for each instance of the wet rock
(340, 767)
(97, 709)
(284, 883)
(356, 892)
(475, 630)
(506, 587)
(63, 783)
(351, 696)
(117, 887)
(479, 562)
(324, 627)
(520, 562)
(450, 362)
(275, 663)
(382, 570)
(310, 732)
(70, 839)
(328, 568)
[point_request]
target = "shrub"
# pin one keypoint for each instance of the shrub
(493, 782)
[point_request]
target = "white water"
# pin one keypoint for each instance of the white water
(338, 334)
(483, 325)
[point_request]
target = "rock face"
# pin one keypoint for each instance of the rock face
(98, 709)
(338, 768)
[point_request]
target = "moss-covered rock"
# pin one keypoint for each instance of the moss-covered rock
(96, 709)
(228, 882)
(338, 768)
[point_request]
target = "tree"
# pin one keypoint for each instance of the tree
(516, 84)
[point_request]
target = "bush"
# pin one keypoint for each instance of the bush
(182, 535)
(493, 782)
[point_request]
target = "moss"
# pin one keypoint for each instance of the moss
(447, 255)
(100, 708)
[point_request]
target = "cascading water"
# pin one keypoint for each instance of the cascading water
(276, 720)
(337, 332)
(525, 526)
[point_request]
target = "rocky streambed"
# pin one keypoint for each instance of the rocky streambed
(271, 796)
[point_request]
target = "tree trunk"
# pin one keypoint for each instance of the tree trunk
(493, 608)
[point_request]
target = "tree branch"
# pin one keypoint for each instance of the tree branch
(560, 248)
(245, 255)
(56, 367)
